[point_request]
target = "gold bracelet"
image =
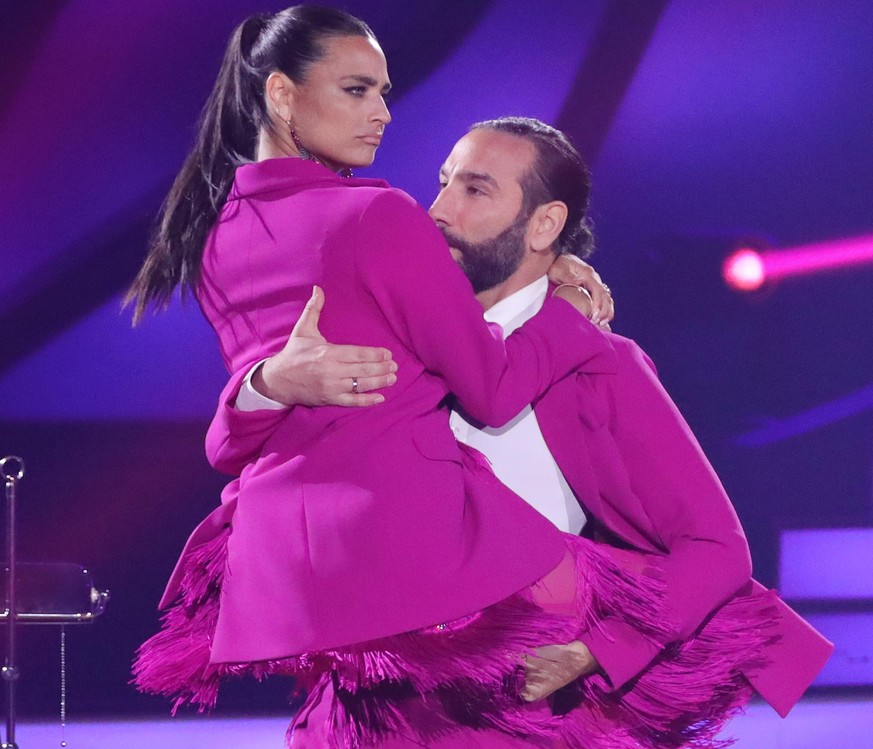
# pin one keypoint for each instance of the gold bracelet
(574, 286)
(582, 290)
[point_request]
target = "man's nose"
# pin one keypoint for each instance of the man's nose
(440, 209)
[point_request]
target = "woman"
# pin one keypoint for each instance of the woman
(365, 547)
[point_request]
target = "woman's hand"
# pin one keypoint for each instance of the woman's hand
(554, 666)
(571, 270)
(309, 371)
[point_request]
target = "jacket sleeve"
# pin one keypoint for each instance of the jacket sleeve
(407, 269)
(409, 272)
(706, 557)
(234, 438)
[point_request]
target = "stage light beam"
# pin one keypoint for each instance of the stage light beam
(748, 269)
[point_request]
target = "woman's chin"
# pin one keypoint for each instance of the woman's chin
(363, 163)
(364, 158)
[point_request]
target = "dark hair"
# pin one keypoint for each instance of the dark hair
(558, 173)
(227, 136)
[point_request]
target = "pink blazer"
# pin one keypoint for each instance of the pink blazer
(345, 516)
(642, 479)
(640, 474)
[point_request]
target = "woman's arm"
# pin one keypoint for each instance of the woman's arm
(436, 315)
(406, 265)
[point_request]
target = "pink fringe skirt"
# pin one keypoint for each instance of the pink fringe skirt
(469, 671)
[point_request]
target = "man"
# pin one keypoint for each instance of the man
(604, 452)
(615, 438)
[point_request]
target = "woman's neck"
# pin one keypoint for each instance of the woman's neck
(273, 147)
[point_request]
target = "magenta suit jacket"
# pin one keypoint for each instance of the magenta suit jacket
(640, 474)
(344, 516)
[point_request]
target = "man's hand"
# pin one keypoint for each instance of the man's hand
(310, 371)
(555, 666)
(570, 269)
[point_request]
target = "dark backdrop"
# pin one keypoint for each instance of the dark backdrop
(704, 123)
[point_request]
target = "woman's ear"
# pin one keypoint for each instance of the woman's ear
(279, 91)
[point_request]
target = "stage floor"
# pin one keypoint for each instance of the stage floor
(816, 723)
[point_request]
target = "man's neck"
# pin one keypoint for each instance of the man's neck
(518, 280)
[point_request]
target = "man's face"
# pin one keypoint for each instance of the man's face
(479, 206)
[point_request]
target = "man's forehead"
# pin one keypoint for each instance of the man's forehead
(497, 155)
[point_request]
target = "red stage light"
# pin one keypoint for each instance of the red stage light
(744, 270)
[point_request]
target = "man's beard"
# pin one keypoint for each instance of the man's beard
(491, 261)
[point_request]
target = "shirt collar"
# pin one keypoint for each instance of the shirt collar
(516, 309)
(288, 173)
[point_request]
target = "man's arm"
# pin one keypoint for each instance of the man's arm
(308, 371)
(707, 558)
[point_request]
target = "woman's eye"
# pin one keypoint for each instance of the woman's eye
(443, 185)
(356, 90)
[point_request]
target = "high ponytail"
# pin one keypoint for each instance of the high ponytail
(227, 137)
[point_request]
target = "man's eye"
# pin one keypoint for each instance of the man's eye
(474, 191)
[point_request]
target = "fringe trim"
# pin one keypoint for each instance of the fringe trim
(471, 668)
(473, 672)
(685, 698)
(175, 662)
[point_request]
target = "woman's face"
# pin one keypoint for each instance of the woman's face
(339, 112)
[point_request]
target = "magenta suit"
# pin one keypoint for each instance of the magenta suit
(348, 514)
(641, 476)
(643, 481)
(348, 527)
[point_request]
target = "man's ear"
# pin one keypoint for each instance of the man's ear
(280, 90)
(545, 225)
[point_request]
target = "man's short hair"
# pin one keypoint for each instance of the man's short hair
(558, 173)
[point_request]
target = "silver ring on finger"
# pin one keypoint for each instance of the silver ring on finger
(608, 290)
(355, 385)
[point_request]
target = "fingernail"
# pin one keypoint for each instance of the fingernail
(392, 379)
(393, 367)
(380, 399)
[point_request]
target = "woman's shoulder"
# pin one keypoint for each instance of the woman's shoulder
(391, 209)
(395, 231)
(375, 196)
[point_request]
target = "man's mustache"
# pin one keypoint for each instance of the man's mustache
(454, 241)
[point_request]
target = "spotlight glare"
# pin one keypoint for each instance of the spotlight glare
(744, 270)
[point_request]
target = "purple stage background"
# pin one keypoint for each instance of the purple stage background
(705, 124)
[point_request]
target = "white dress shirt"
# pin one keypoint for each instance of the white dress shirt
(249, 399)
(517, 451)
